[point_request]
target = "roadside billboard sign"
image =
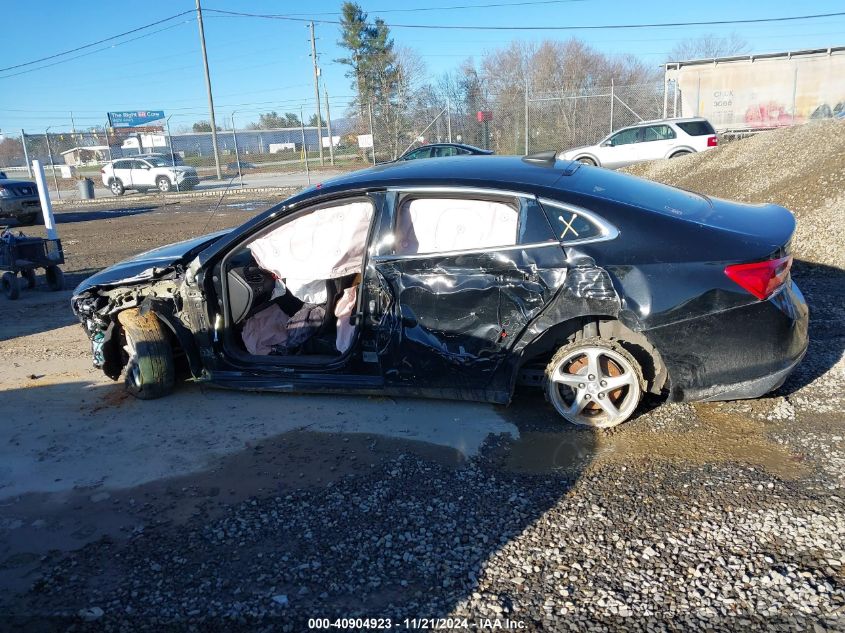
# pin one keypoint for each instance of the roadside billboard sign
(136, 118)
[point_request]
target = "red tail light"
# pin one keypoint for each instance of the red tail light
(712, 141)
(761, 278)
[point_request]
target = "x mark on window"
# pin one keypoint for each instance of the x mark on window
(567, 226)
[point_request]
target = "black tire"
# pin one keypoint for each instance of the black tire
(117, 187)
(11, 288)
(28, 220)
(150, 369)
(55, 278)
(29, 276)
(587, 161)
(163, 183)
(681, 153)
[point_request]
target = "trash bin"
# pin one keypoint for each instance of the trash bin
(86, 189)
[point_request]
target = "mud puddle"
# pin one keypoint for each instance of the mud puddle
(713, 436)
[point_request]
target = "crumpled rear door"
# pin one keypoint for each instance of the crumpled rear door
(447, 321)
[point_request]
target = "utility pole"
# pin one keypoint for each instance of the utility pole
(26, 153)
(328, 126)
(304, 144)
(208, 88)
(526, 115)
(52, 165)
(448, 120)
(372, 133)
(317, 92)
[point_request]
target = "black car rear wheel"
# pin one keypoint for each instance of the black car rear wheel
(594, 382)
(587, 161)
(150, 370)
(11, 287)
(27, 220)
(679, 154)
(117, 187)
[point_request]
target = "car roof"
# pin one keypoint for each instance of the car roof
(639, 124)
(463, 145)
(488, 172)
(685, 119)
(133, 157)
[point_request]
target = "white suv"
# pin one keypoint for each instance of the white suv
(148, 172)
(649, 140)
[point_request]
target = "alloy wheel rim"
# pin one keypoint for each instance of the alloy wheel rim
(594, 386)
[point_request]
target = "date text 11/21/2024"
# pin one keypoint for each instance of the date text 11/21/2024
(417, 624)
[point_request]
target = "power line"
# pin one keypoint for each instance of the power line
(98, 50)
(542, 28)
(84, 46)
(451, 7)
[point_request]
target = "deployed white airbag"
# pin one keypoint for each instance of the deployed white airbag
(324, 244)
(438, 225)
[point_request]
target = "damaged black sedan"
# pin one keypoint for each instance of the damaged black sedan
(461, 279)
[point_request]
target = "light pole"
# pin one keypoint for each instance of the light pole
(237, 154)
(208, 90)
(52, 166)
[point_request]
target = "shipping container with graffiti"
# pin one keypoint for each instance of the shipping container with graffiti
(759, 91)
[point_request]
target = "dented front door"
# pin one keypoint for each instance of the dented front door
(448, 320)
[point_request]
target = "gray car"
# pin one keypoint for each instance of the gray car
(19, 200)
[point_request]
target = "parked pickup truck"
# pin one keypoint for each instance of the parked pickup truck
(19, 200)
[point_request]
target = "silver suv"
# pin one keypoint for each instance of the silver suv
(145, 173)
(649, 140)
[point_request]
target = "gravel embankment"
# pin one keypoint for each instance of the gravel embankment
(801, 168)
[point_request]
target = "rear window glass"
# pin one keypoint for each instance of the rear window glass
(696, 128)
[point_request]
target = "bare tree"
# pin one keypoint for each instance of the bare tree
(568, 85)
(708, 46)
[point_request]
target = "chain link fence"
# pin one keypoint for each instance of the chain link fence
(516, 122)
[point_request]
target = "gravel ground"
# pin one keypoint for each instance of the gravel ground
(724, 516)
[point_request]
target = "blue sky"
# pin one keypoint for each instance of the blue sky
(260, 65)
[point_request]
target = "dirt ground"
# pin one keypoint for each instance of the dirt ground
(83, 466)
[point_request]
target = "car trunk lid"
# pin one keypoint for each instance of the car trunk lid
(761, 229)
